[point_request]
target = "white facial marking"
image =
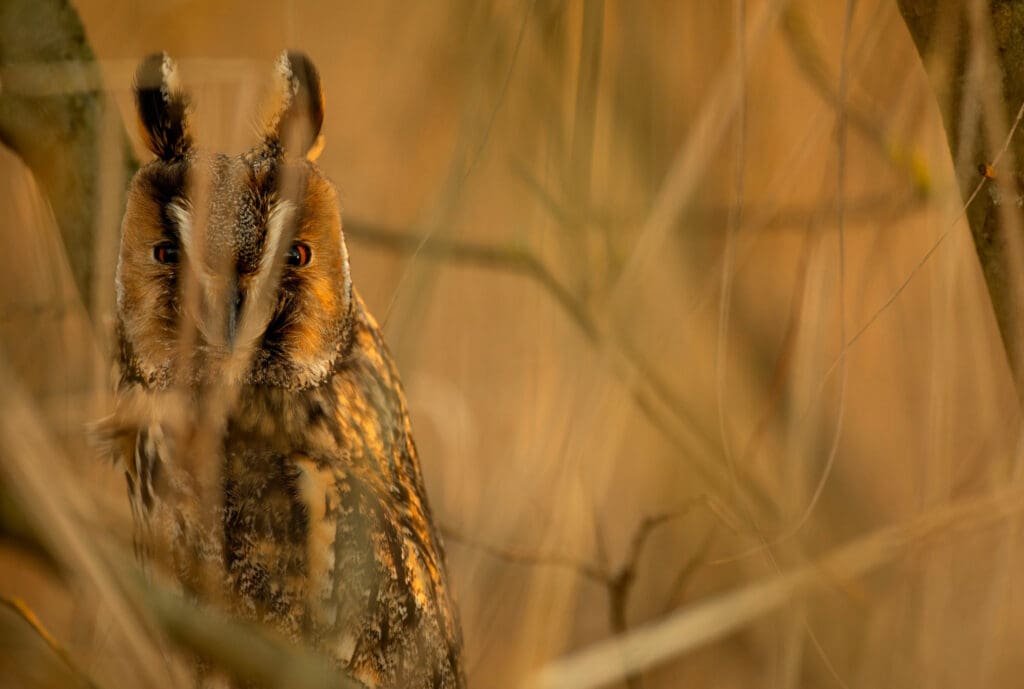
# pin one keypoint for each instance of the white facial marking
(257, 310)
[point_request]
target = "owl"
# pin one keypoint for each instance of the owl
(259, 417)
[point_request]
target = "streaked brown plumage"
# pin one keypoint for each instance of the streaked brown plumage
(237, 321)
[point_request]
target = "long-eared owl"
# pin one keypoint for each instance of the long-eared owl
(260, 419)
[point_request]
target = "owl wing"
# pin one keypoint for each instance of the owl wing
(384, 608)
(323, 551)
(377, 600)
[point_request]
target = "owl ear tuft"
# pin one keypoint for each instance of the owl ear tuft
(295, 112)
(163, 107)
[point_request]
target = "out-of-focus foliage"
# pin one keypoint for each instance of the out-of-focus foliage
(675, 310)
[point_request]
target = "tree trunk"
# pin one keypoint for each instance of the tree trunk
(973, 52)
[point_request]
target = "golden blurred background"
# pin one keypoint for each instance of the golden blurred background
(672, 319)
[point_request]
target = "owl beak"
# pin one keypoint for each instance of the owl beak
(237, 303)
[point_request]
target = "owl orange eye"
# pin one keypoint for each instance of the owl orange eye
(299, 254)
(165, 252)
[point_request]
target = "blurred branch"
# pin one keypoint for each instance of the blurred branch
(810, 59)
(666, 411)
(21, 609)
(16, 530)
(585, 114)
(707, 621)
(510, 259)
(974, 57)
(502, 92)
(617, 583)
(473, 138)
(527, 559)
(875, 207)
(783, 364)
(243, 650)
(685, 573)
(57, 133)
(238, 648)
(63, 525)
(581, 152)
(808, 56)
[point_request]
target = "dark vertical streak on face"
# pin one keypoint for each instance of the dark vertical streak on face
(166, 184)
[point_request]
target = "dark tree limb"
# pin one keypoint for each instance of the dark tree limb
(54, 130)
(975, 63)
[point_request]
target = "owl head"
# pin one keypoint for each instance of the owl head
(232, 266)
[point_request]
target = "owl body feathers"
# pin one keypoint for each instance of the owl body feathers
(342, 553)
(321, 527)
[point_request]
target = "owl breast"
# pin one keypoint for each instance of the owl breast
(327, 532)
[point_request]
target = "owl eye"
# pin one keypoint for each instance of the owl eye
(299, 255)
(165, 252)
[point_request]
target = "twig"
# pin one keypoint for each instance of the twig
(22, 610)
(685, 573)
(513, 60)
(733, 225)
(703, 623)
(520, 557)
(509, 259)
(239, 648)
(895, 294)
(618, 583)
(808, 57)
(653, 396)
(871, 206)
(841, 126)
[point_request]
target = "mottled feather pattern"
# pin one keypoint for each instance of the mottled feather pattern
(347, 545)
(320, 526)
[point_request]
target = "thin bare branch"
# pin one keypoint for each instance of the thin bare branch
(685, 574)
(707, 621)
(665, 410)
(851, 6)
(808, 56)
(22, 610)
(522, 557)
(239, 648)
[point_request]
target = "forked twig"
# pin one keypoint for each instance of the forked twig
(617, 582)
(709, 620)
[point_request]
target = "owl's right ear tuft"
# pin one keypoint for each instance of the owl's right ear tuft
(294, 112)
(163, 108)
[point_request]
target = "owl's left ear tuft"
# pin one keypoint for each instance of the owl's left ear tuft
(295, 112)
(163, 108)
